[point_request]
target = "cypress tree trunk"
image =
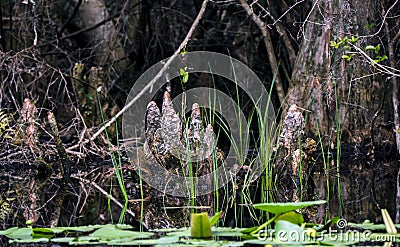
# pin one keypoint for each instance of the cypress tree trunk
(334, 79)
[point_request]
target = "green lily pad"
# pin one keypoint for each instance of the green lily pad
(33, 240)
(183, 232)
(63, 240)
(286, 231)
(42, 233)
(227, 232)
(161, 241)
(86, 239)
(21, 233)
(292, 217)
(9, 230)
(284, 207)
(113, 232)
(89, 228)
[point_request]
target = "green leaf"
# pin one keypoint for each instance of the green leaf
(369, 47)
(9, 230)
(63, 240)
(184, 75)
(88, 240)
(343, 40)
(334, 44)
(291, 217)
(381, 58)
(185, 78)
(21, 233)
(47, 231)
(354, 39)
(42, 233)
(281, 207)
(227, 232)
(377, 48)
(113, 231)
(89, 228)
(214, 219)
(182, 232)
(168, 240)
(289, 232)
(200, 225)
(184, 51)
(34, 240)
(348, 57)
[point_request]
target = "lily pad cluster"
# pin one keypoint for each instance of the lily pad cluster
(286, 227)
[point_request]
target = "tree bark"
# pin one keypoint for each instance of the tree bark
(311, 84)
(395, 102)
(336, 91)
(341, 94)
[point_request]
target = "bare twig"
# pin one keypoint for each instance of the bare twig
(303, 26)
(268, 44)
(380, 67)
(287, 11)
(282, 32)
(155, 79)
(383, 21)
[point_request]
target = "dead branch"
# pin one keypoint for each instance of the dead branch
(282, 32)
(268, 44)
